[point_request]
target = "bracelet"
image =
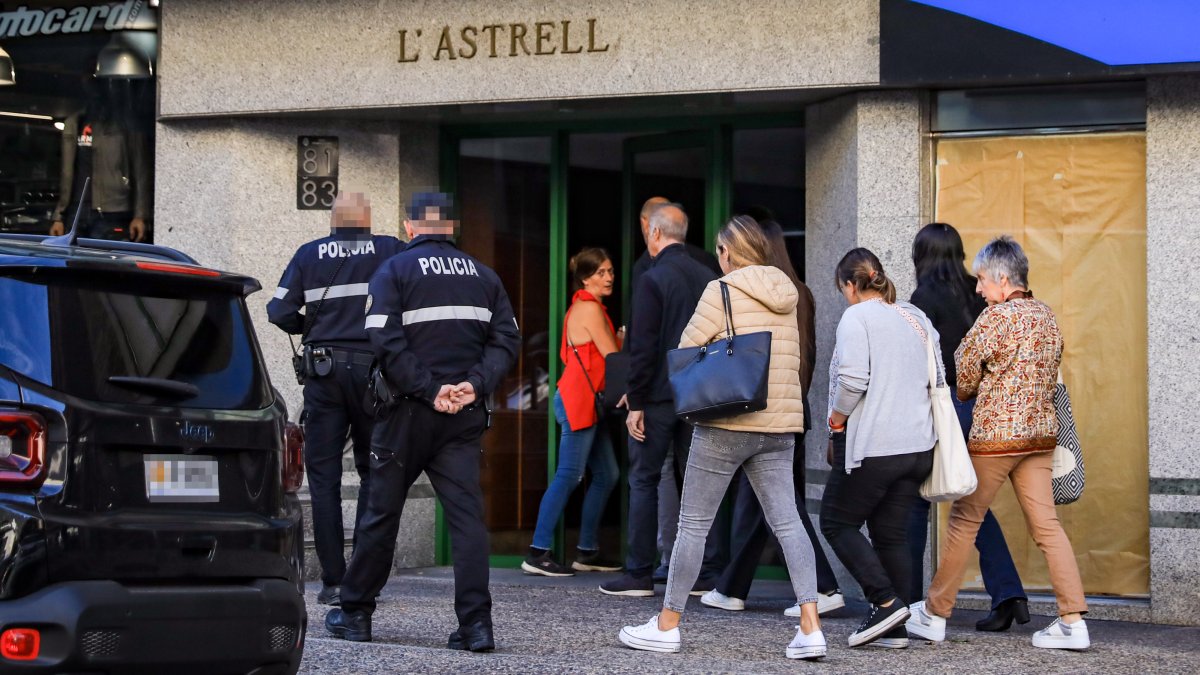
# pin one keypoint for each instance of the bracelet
(836, 427)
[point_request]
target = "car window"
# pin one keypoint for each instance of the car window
(102, 329)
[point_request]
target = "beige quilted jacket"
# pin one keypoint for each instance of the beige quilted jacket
(763, 298)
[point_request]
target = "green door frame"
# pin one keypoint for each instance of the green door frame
(715, 133)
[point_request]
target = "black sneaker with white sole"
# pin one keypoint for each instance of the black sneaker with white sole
(590, 561)
(896, 638)
(878, 623)
(545, 566)
(629, 586)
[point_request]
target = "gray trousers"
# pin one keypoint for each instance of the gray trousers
(767, 461)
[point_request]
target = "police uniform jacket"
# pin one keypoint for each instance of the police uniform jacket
(437, 316)
(311, 270)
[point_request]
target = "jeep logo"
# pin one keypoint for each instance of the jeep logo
(196, 433)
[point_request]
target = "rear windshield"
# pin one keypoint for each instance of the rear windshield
(76, 333)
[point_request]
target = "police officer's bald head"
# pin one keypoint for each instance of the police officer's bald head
(351, 213)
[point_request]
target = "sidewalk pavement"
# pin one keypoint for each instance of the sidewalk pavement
(567, 626)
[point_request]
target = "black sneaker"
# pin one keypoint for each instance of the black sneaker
(879, 622)
(353, 626)
(590, 561)
(896, 638)
(545, 566)
(642, 587)
(330, 595)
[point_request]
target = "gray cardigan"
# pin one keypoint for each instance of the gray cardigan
(879, 377)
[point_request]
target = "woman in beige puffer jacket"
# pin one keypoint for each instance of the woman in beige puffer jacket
(762, 443)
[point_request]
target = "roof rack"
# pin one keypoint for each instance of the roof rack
(111, 245)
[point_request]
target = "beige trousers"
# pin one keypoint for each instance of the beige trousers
(1030, 476)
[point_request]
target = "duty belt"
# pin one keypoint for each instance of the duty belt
(352, 356)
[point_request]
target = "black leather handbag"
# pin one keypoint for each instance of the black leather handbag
(725, 377)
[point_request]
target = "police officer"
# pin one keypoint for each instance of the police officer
(445, 336)
(327, 278)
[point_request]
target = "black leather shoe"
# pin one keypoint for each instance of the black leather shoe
(1000, 618)
(352, 626)
(477, 637)
(330, 595)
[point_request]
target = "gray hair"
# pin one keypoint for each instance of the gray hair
(1003, 256)
(671, 220)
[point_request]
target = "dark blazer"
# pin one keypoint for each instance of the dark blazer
(664, 299)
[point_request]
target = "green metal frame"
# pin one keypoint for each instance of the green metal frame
(714, 133)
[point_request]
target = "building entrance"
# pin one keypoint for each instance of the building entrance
(530, 197)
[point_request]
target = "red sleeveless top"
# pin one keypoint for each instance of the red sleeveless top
(577, 397)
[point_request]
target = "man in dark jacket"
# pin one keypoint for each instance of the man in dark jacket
(666, 297)
(444, 336)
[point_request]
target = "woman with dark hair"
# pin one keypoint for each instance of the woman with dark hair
(881, 441)
(587, 338)
(734, 584)
(946, 293)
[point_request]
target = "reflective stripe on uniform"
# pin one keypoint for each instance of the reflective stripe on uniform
(342, 291)
(447, 313)
(281, 293)
(376, 320)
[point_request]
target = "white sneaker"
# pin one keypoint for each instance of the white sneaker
(826, 602)
(924, 625)
(715, 598)
(811, 646)
(1060, 635)
(649, 638)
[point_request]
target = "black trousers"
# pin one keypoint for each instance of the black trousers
(880, 494)
(646, 458)
(751, 527)
(333, 409)
(413, 438)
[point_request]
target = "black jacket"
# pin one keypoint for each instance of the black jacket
(698, 254)
(664, 300)
(952, 315)
(311, 271)
(436, 316)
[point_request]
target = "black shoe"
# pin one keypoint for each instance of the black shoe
(879, 622)
(330, 595)
(642, 587)
(660, 574)
(476, 638)
(352, 626)
(703, 586)
(1001, 617)
(590, 561)
(544, 565)
(896, 638)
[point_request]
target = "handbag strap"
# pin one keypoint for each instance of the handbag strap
(729, 332)
(924, 332)
(567, 335)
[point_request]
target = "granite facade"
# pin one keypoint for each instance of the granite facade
(331, 54)
(1173, 318)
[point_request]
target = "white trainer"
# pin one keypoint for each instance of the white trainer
(715, 598)
(648, 637)
(826, 602)
(811, 646)
(1060, 635)
(924, 625)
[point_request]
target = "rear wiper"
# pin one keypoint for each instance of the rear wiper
(172, 387)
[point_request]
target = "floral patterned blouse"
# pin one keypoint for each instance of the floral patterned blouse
(1009, 360)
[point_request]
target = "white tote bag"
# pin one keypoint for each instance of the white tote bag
(953, 475)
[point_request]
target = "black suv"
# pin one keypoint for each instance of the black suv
(148, 521)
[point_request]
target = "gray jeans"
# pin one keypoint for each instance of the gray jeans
(767, 460)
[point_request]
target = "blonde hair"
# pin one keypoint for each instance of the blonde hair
(744, 240)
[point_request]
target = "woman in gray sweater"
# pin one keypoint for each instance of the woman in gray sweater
(881, 440)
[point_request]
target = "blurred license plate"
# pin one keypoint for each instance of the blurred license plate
(181, 478)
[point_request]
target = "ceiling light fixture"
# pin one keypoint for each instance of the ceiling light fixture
(27, 116)
(8, 75)
(119, 59)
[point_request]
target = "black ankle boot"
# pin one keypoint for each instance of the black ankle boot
(1000, 618)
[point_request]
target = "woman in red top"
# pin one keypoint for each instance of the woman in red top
(587, 338)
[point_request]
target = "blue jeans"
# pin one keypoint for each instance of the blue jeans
(1000, 576)
(589, 448)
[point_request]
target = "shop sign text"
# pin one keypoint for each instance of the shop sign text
(540, 38)
(25, 22)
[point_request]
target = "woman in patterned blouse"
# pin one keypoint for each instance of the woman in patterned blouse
(1009, 360)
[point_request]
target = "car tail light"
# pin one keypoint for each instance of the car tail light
(22, 448)
(20, 644)
(293, 457)
(178, 269)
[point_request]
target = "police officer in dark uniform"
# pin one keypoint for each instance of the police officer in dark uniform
(445, 336)
(327, 278)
